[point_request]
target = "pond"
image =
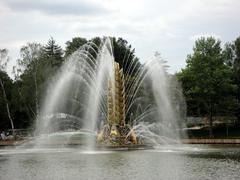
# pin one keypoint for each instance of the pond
(166, 162)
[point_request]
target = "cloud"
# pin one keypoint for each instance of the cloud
(61, 7)
(170, 27)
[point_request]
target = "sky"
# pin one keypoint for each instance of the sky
(169, 27)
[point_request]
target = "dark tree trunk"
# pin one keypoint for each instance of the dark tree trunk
(7, 107)
(211, 120)
(238, 104)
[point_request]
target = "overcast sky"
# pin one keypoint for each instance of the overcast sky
(169, 27)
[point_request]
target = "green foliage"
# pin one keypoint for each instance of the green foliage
(74, 45)
(125, 56)
(53, 53)
(8, 86)
(236, 72)
(122, 52)
(3, 59)
(4, 85)
(36, 70)
(232, 54)
(206, 80)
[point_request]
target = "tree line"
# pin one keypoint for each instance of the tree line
(210, 80)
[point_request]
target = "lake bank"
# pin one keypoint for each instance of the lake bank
(184, 141)
(12, 142)
(211, 141)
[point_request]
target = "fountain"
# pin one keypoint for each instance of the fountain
(110, 103)
(116, 131)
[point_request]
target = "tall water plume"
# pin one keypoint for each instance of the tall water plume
(78, 98)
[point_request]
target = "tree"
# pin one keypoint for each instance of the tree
(206, 78)
(53, 53)
(3, 64)
(74, 45)
(125, 55)
(232, 55)
(29, 64)
(122, 52)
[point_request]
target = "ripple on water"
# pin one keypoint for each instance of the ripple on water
(187, 162)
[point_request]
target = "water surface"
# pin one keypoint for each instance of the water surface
(166, 162)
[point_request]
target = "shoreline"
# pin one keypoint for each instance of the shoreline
(210, 141)
(184, 141)
(12, 142)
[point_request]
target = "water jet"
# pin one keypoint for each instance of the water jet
(123, 103)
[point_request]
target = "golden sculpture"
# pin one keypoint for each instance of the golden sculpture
(116, 131)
